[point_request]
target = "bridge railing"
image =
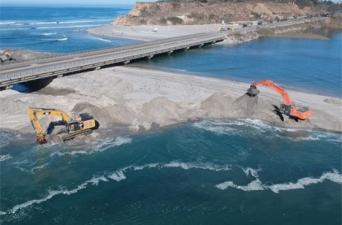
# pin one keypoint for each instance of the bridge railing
(110, 58)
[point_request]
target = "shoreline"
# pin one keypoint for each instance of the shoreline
(231, 78)
(150, 32)
(133, 96)
(155, 32)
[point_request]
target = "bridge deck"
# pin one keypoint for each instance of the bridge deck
(67, 64)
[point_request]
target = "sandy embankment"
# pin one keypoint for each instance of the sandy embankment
(155, 32)
(144, 99)
(151, 32)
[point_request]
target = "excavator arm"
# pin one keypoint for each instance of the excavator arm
(35, 114)
(268, 83)
(287, 107)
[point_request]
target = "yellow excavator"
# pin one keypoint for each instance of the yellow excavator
(82, 124)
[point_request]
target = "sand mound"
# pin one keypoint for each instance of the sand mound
(101, 115)
(334, 101)
(217, 105)
(161, 111)
(56, 91)
(136, 98)
(245, 106)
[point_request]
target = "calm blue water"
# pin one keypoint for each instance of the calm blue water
(207, 172)
(312, 65)
(56, 29)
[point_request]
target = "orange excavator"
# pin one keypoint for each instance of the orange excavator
(287, 107)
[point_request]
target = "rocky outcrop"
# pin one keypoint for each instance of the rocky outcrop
(189, 13)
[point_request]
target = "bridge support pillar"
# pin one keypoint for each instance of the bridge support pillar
(170, 52)
(187, 48)
(126, 62)
(150, 57)
(98, 68)
(201, 45)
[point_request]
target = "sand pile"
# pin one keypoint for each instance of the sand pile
(142, 99)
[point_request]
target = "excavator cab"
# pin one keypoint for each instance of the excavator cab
(73, 126)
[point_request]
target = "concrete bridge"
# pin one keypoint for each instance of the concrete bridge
(59, 66)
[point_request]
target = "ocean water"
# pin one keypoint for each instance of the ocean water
(207, 172)
(60, 29)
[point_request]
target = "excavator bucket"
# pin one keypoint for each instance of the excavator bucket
(41, 139)
(252, 91)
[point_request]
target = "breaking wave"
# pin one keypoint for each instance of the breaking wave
(109, 143)
(5, 138)
(204, 166)
(52, 193)
(56, 23)
(49, 33)
(117, 175)
(216, 127)
(5, 157)
(7, 22)
(66, 26)
(257, 185)
(233, 127)
(100, 146)
(40, 167)
(62, 39)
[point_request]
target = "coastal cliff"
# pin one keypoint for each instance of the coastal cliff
(190, 13)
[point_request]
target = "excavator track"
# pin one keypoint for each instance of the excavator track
(72, 135)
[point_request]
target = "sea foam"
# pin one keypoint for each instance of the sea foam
(99, 146)
(52, 193)
(233, 127)
(116, 175)
(5, 157)
(121, 174)
(257, 185)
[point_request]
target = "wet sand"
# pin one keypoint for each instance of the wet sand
(144, 99)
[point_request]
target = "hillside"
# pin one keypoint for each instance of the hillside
(209, 12)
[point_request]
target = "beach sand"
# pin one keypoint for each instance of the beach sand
(144, 99)
(151, 32)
